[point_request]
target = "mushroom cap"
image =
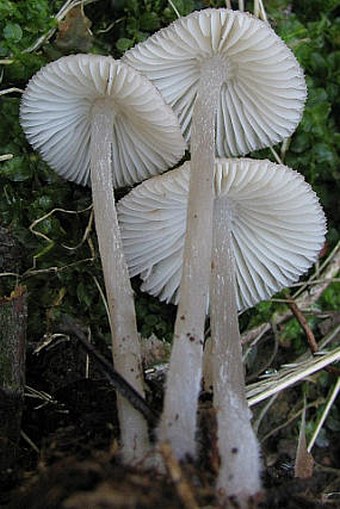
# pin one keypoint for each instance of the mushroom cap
(277, 227)
(263, 95)
(56, 117)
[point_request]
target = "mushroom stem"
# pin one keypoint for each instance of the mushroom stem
(125, 341)
(239, 473)
(178, 422)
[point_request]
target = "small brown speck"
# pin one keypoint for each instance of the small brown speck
(233, 502)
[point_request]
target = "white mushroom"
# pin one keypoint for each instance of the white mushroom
(235, 87)
(268, 229)
(98, 121)
(277, 227)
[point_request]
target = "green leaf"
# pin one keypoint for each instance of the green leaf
(16, 169)
(149, 21)
(123, 44)
(83, 294)
(318, 63)
(324, 153)
(12, 32)
(300, 143)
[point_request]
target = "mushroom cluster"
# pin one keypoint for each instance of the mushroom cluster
(235, 87)
(215, 234)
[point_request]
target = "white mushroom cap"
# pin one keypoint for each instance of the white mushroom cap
(56, 117)
(278, 227)
(264, 92)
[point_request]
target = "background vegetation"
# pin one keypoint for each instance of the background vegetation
(52, 219)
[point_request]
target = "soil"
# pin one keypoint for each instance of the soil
(68, 456)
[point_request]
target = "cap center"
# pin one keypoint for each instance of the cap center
(219, 68)
(103, 105)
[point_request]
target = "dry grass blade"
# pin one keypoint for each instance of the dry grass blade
(259, 10)
(328, 406)
(292, 374)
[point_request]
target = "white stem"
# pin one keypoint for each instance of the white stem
(178, 422)
(125, 341)
(239, 473)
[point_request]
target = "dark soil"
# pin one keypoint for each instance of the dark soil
(67, 457)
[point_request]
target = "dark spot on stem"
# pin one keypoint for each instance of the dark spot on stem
(234, 450)
(233, 501)
(190, 336)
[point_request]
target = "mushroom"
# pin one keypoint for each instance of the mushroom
(235, 87)
(98, 121)
(268, 229)
(275, 239)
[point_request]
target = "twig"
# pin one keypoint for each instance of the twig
(259, 10)
(331, 266)
(257, 423)
(6, 157)
(289, 420)
(305, 297)
(50, 213)
(87, 361)
(46, 398)
(104, 300)
(304, 324)
(181, 485)
(87, 231)
(118, 382)
(29, 441)
(11, 91)
(55, 270)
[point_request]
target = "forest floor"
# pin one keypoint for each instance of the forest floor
(67, 456)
